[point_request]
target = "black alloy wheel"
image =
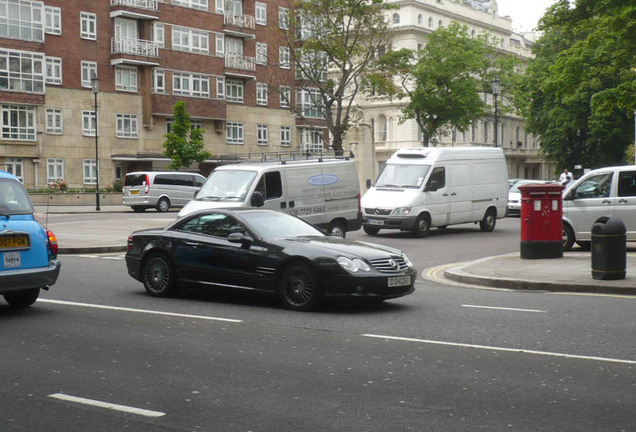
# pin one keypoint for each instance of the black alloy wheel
(158, 276)
(298, 288)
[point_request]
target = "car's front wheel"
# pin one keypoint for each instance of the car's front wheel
(22, 299)
(298, 288)
(158, 276)
(422, 226)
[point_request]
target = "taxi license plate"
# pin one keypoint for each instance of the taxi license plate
(14, 242)
(134, 192)
(11, 259)
(399, 281)
(376, 222)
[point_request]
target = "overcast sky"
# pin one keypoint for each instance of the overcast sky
(525, 14)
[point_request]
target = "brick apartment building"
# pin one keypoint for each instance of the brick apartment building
(226, 59)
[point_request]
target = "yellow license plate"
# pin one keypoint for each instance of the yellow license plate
(14, 242)
(134, 192)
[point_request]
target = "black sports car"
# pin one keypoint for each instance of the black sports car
(266, 250)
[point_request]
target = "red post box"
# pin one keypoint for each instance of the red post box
(541, 221)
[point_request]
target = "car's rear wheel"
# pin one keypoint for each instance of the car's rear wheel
(568, 237)
(371, 230)
(158, 276)
(487, 224)
(22, 299)
(337, 229)
(163, 205)
(298, 288)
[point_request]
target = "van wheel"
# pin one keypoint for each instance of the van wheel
(487, 224)
(568, 237)
(138, 209)
(337, 229)
(163, 205)
(371, 230)
(422, 226)
(22, 299)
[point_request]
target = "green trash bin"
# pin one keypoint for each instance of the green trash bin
(609, 248)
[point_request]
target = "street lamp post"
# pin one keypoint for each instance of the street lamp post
(95, 87)
(495, 93)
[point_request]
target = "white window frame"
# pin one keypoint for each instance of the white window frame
(190, 40)
(21, 123)
(89, 171)
(285, 96)
(28, 26)
(311, 140)
(192, 4)
(126, 78)
(284, 57)
(262, 135)
(89, 69)
(127, 125)
(234, 90)
(29, 78)
(261, 13)
(220, 44)
(53, 70)
(190, 84)
(308, 102)
(285, 136)
(54, 169)
(262, 94)
(159, 34)
(235, 133)
(159, 81)
(88, 123)
(52, 20)
(54, 121)
(261, 53)
(15, 166)
(88, 25)
(220, 87)
(283, 18)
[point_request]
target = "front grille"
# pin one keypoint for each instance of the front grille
(377, 211)
(389, 265)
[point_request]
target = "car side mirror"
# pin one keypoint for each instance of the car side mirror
(257, 199)
(432, 186)
(239, 237)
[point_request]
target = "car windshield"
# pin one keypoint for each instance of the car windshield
(274, 225)
(227, 185)
(14, 198)
(402, 175)
(515, 187)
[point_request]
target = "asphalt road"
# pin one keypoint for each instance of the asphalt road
(447, 358)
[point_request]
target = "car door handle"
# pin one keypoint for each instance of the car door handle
(193, 243)
(445, 194)
(606, 202)
(623, 201)
(453, 194)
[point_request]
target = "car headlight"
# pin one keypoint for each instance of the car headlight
(353, 265)
(401, 211)
(408, 261)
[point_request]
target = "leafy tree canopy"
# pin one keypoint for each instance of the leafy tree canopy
(581, 84)
(177, 147)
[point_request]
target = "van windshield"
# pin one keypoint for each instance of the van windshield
(227, 185)
(403, 176)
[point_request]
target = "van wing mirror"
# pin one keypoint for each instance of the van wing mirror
(257, 199)
(432, 186)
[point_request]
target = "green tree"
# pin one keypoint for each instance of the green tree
(177, 147)
(445, 80)
(334, 45)
(580, 85)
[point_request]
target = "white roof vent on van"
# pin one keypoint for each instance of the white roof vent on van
(413, 153)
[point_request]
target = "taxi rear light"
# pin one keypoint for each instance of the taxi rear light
(53, 247)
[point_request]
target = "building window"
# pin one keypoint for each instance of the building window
(261, 53)
(382, 128)
(261, 93)
(88, 123)
(22, 19)
(15, 166)
(194, 124)
(21, 71)
(439, 23)
(53, 70)
(126, 78)
(396, 18)
(234, 133)
(262, 135)
(159, 34)
(220, 87)
(309, 102)
(420, 20)
(127, 126)
(52, 20)
(283, 18)
(430, 22)
(285, 136)
(90, 171)
(234, 90)
(187, 84)
(88, 25)
(89, 70)
(193, 4)
(54, 122)
(54, 169)
(18, 123)
(158, 80)
(261, 13)
(190, 40)
(285, 96)
(220, 44)
(284, 57)
(311, 140)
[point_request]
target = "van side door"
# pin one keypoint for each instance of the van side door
(437, 196)
(625, 208)
(461, 192)
(271, 186)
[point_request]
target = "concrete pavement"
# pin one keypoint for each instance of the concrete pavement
(572, 273)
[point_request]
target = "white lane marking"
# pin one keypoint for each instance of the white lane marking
(107, 405)
(494, 348)
(150, 312)
(503, 308)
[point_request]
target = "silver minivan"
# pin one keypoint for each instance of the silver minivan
(161, 190)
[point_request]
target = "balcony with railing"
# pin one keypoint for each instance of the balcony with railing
(241, 21)
(235, 61)
(152, 5)
(136, 47)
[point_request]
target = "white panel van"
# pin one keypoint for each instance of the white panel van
(324, 192)
(607, 191)
(426, 187)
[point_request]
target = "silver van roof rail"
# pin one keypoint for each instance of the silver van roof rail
(282, 157)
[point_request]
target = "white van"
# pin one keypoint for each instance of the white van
(602, 192)
(425, 187)
(160, 190)
(324, 192)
